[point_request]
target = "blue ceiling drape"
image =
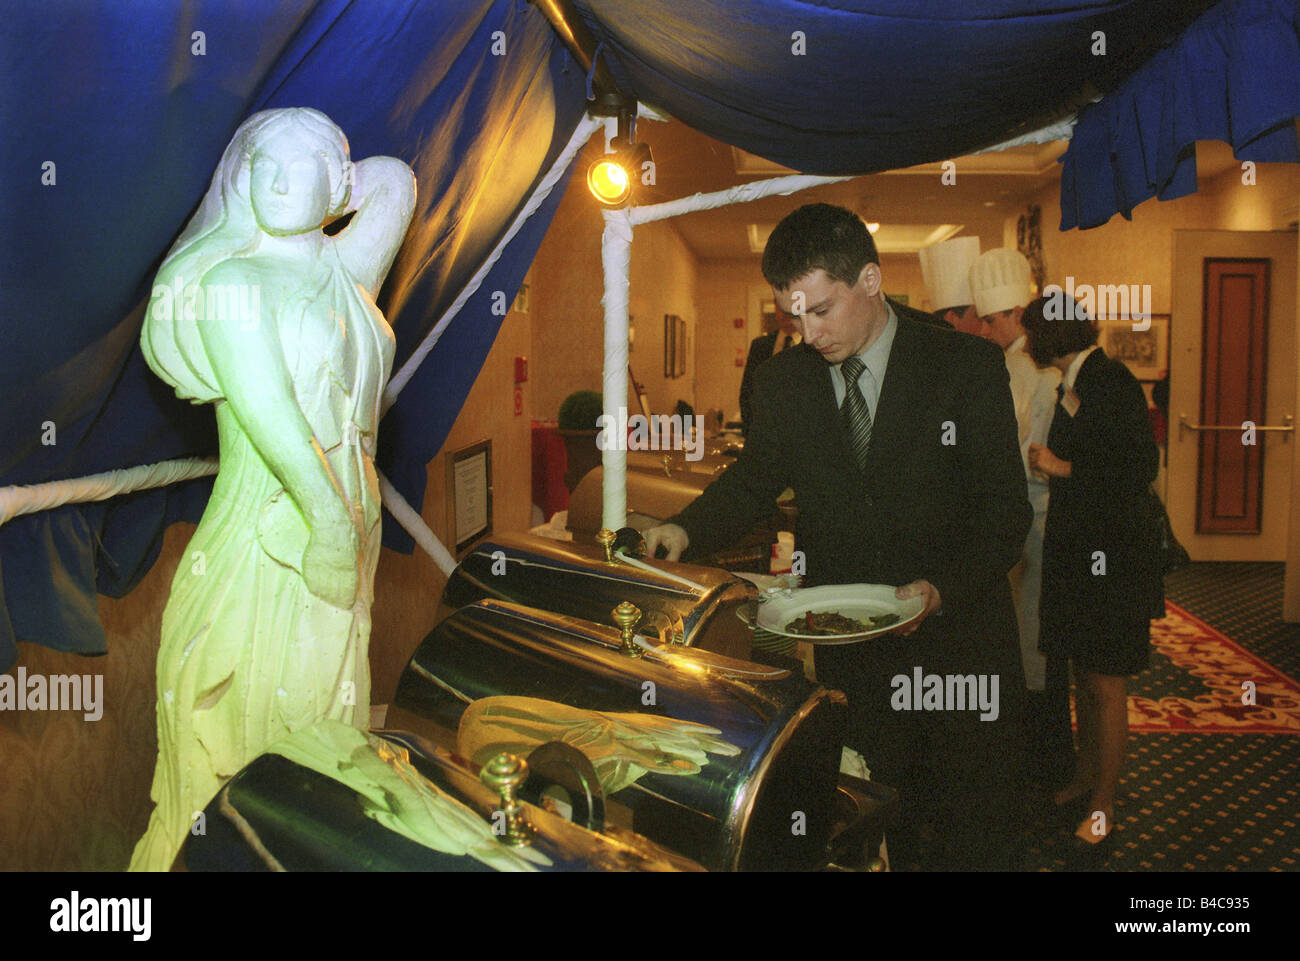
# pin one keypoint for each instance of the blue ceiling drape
(118, 113)
(1233, 75)
(860, 86)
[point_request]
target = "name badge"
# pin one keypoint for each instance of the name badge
(1070, 402)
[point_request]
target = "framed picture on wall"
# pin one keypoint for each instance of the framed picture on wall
(674, 346)
(1144, 352)
(469, 493)
(668, 351)
(679, 345)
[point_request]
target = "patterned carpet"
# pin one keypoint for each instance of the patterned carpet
(1211, 783)
(1201, 680)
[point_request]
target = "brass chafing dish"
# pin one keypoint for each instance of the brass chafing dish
(710, 462)
(661, 485)
(577, 579)
(657, 488)
(729, 763)
(284, 813)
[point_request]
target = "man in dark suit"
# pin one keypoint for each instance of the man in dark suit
(761, 349)
(907, 471)
(786, 336)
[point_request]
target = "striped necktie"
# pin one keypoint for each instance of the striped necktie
(857, 419)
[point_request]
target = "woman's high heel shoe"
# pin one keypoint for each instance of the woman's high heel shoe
(1081, 855)
(1069, 814)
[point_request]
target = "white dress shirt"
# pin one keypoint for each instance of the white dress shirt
(1033, 391)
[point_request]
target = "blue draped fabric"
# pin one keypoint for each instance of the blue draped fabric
(133, 104)
(118, 112)
(860, 86)
(1233, 75)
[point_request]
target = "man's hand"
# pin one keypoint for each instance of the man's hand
(918, 589)
(668, 536)
(1042, 459)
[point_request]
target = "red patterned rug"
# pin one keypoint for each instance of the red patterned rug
(1214, 685)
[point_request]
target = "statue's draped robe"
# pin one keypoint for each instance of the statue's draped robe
(248, 654)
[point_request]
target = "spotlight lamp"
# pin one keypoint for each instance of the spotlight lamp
(608, 181)
(610, 177)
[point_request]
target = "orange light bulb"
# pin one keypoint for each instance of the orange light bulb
(608, 182)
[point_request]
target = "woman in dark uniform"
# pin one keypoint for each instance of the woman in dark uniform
(1101, 584)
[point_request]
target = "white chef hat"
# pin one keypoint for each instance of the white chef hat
(1000, 280)
(946, 269)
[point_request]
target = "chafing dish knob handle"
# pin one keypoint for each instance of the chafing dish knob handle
(504, 774)
(605, 538)
(626, 616)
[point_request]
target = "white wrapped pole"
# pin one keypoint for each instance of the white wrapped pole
(16, 501)
(616, 255)
(741, 194)
(414, 524)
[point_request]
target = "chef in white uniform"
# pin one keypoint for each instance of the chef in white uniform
(946, 269)
(1002, 285)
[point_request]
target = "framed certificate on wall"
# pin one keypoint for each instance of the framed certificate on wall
(469, 493)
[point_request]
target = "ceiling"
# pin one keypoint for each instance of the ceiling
(913, 206)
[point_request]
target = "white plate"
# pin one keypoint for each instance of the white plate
(859, 601)
(765, 582)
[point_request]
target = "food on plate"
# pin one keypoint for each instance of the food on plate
(829, 623)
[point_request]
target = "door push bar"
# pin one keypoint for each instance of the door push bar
(1286, 429)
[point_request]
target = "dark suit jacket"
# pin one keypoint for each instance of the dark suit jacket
(761, 348)
(955, 514)
(1102, 506)
(920, 316)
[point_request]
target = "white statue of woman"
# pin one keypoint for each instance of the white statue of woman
(258, 311)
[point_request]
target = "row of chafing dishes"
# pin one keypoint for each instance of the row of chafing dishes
(633, 697)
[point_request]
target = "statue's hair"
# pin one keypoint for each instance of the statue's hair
(224, 227)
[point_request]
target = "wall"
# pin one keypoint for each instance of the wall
(74, 795)
(1238, 206)
(723, 295)
(568, 319)
(568, 326)
(1140, 251)
(901, 274)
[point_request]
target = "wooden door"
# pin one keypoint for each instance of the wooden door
(1233, 361)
